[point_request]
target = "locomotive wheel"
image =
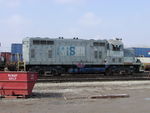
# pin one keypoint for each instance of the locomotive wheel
(108, 72)
(55, 73)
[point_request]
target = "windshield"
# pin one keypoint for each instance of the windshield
(116, 47)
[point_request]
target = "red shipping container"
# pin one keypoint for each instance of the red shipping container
(17, 83)
(6, 56)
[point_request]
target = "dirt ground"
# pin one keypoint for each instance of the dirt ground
(75, 98)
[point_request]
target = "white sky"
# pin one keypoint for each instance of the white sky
(104, 19)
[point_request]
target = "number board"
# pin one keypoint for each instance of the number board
(71, 51)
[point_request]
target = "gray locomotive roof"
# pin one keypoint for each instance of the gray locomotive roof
(66, 39)
(115, 42)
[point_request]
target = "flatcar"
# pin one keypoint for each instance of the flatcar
(60, 56)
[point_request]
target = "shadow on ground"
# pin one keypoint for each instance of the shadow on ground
(47, 95)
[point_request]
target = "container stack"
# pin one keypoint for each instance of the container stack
(16, 50)
(143, 54)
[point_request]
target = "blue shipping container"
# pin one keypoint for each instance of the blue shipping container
(142, 52)
(16, 50)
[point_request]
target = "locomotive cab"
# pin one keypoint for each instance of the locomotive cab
(115, 57)
(118, 60)
(115, 52)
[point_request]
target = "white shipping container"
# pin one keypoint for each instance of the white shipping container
(144, 59)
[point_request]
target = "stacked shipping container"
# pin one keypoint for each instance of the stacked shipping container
(16, 50)
(6, 57)
(142, 52)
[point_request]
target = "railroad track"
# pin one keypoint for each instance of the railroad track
(93, 77)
